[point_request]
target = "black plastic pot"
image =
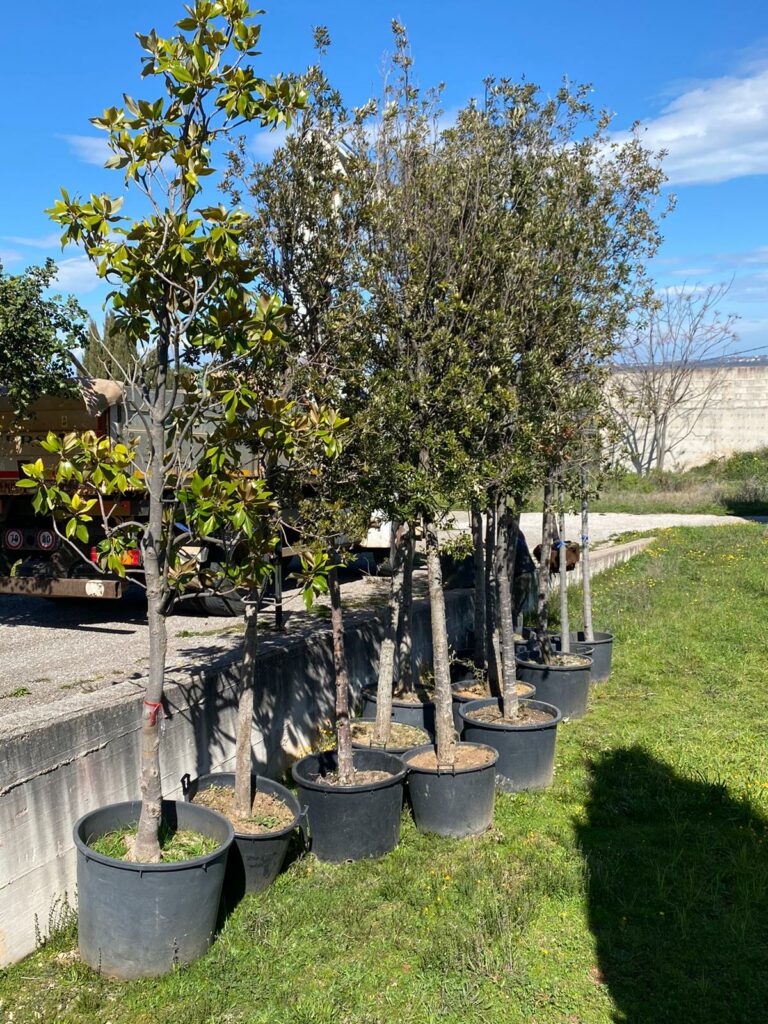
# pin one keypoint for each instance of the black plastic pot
(391, 748)
(138, 920)
(526, 752)
(603, 653)
(254, 860)
(459, 701)
(567, 687)
(422, 714)
(351, 822)
(452, 803)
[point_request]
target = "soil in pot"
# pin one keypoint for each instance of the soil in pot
(401, 736)
(457, 801)
(469, 756)
(525, 745)
(492, 713)
(268, 813)
(358, 778)
(569, 661)
(480, 691)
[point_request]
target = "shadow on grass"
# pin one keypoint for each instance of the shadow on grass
(678, 894)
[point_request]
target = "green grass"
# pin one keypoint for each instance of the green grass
(633, 890)
(737, 486)
(175, 844)
(20, 691)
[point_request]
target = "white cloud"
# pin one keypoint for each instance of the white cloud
(50, 241)
(78, 275)
(691, 272)
(265, 142)
(91, 149)
(713, 131)
(750, 287)
(9, 256)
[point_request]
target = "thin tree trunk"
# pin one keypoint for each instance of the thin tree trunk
(543, 574)
(513, 532)
(243, 756)
(562, 564)
(589, 633)
(383, 725)
(476, 525)
(146, 848)
(445, 733)
(507, 629)
(343, 732)
(492, 659)
(406, 615)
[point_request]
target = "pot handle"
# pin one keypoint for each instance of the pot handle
(303, 824)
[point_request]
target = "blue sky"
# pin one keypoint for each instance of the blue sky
(695, 72)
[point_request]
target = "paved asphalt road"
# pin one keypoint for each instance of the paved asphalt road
(52, 650)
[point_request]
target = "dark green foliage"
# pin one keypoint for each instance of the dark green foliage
(36, 332)
(109, 353)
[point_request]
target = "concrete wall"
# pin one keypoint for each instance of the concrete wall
(733, 418)
(63, 763)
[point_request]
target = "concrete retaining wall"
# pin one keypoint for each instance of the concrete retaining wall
(55, 770)
(730, 419)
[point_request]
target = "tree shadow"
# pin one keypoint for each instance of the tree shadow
(678, 897)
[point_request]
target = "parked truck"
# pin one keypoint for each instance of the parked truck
(33, 559)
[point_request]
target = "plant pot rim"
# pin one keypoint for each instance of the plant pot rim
(277, 833)
(372, 692)
(449, 771)
(397, 751)
(539, 705)
(604, 637)
(142, 866)
(556, 668)
(324, 787)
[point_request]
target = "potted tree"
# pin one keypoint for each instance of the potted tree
(425, 392)
(180, 293)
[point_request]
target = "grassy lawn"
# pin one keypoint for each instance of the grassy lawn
(633, 890)
(737, 486)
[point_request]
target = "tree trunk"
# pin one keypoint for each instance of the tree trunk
(506, 623)
(476, 525)
(388, 644)
(513, 531)
(491, 634)
(343, 733)
(146, 847)
(243, 756)
(446, 735)
(565, 628)
(589, 633)
(406, 615)
(543, 574)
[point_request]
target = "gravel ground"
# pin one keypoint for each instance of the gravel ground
(51, 650)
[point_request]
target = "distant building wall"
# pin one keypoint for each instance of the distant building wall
(735, 418)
